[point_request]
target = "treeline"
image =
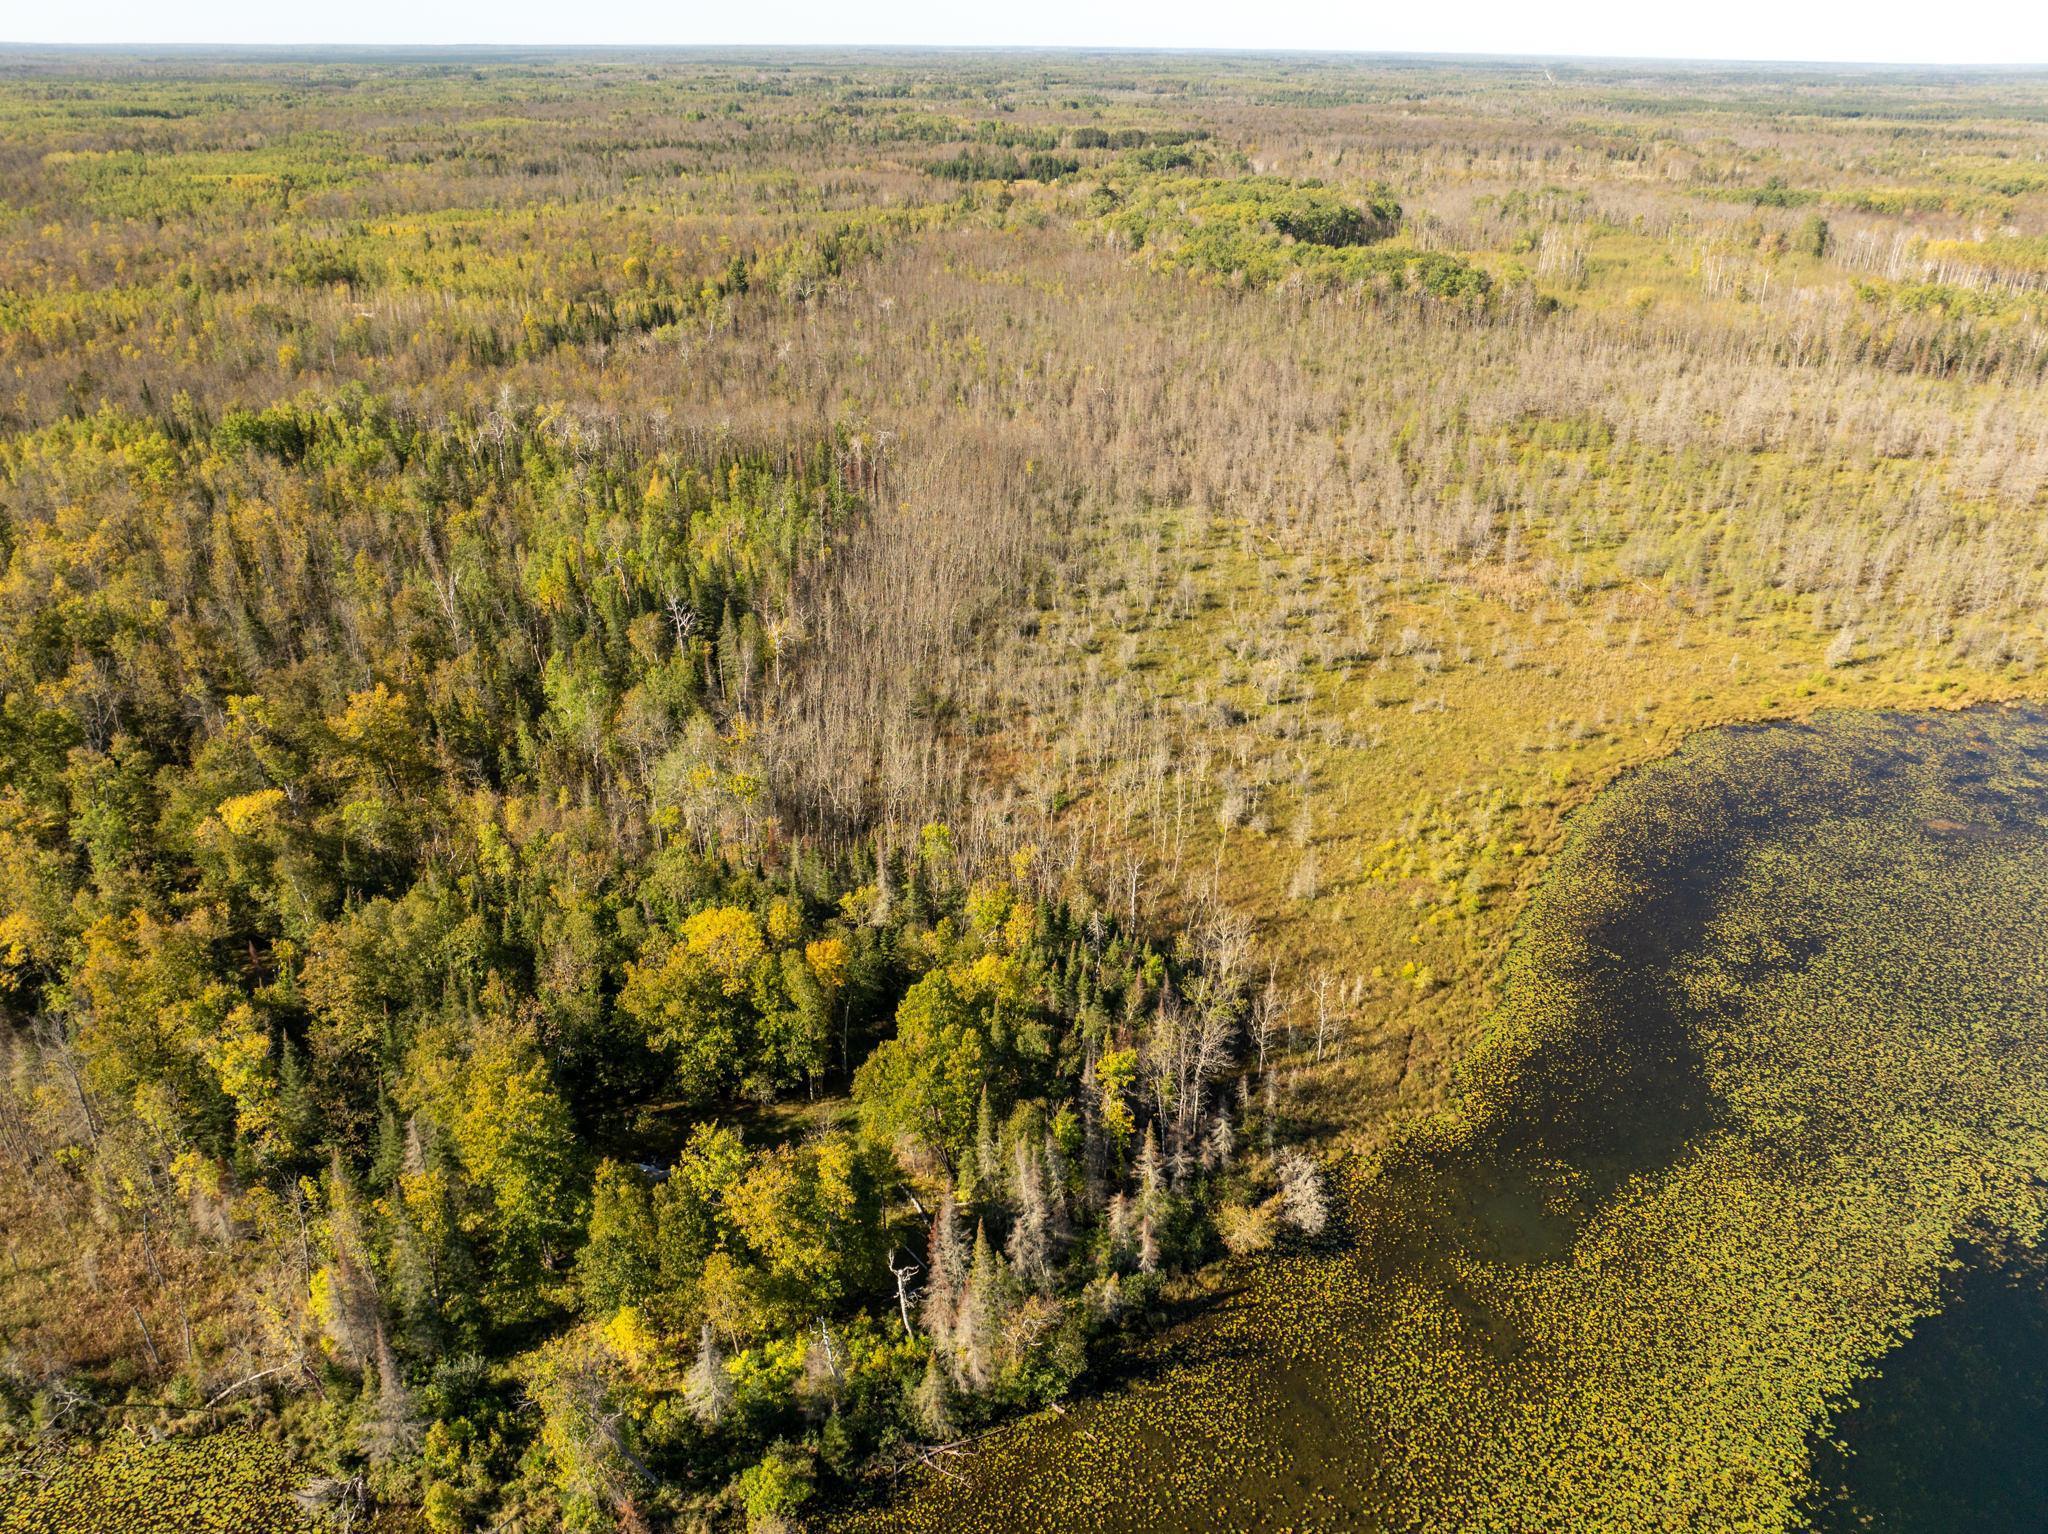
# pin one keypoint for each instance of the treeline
(981, 165)
(1153, 152)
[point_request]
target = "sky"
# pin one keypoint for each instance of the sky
(2004, 32)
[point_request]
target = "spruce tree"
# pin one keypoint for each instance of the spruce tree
(984, 1307)
(942, 1293)
(1030, 1245)
(932, 1401)
(1151, 1202)
(707, 1390)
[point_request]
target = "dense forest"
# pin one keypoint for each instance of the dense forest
(711, 765)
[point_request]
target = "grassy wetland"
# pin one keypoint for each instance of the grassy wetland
(1034, 791)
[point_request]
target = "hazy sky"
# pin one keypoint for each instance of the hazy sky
(1961, 31)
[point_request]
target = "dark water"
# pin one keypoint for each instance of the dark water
(1951, 1436)
(1772, 1045)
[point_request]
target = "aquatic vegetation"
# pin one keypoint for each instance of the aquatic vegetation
(227, 1483)
(1746, 1089)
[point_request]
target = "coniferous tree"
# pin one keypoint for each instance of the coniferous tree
(933, 1400)
(1151, 1202)
(947, 1278)
(1303, 1201)
(1222, 1143)
(346, 1299)
(707, 1390)
(988, 1158)
(392, 1430)
(1030, 1244)
(1119, 1233)
(984, 1308)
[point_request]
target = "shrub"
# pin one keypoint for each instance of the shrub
(777, 1487)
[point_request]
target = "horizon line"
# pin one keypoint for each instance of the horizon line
(11, 47)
